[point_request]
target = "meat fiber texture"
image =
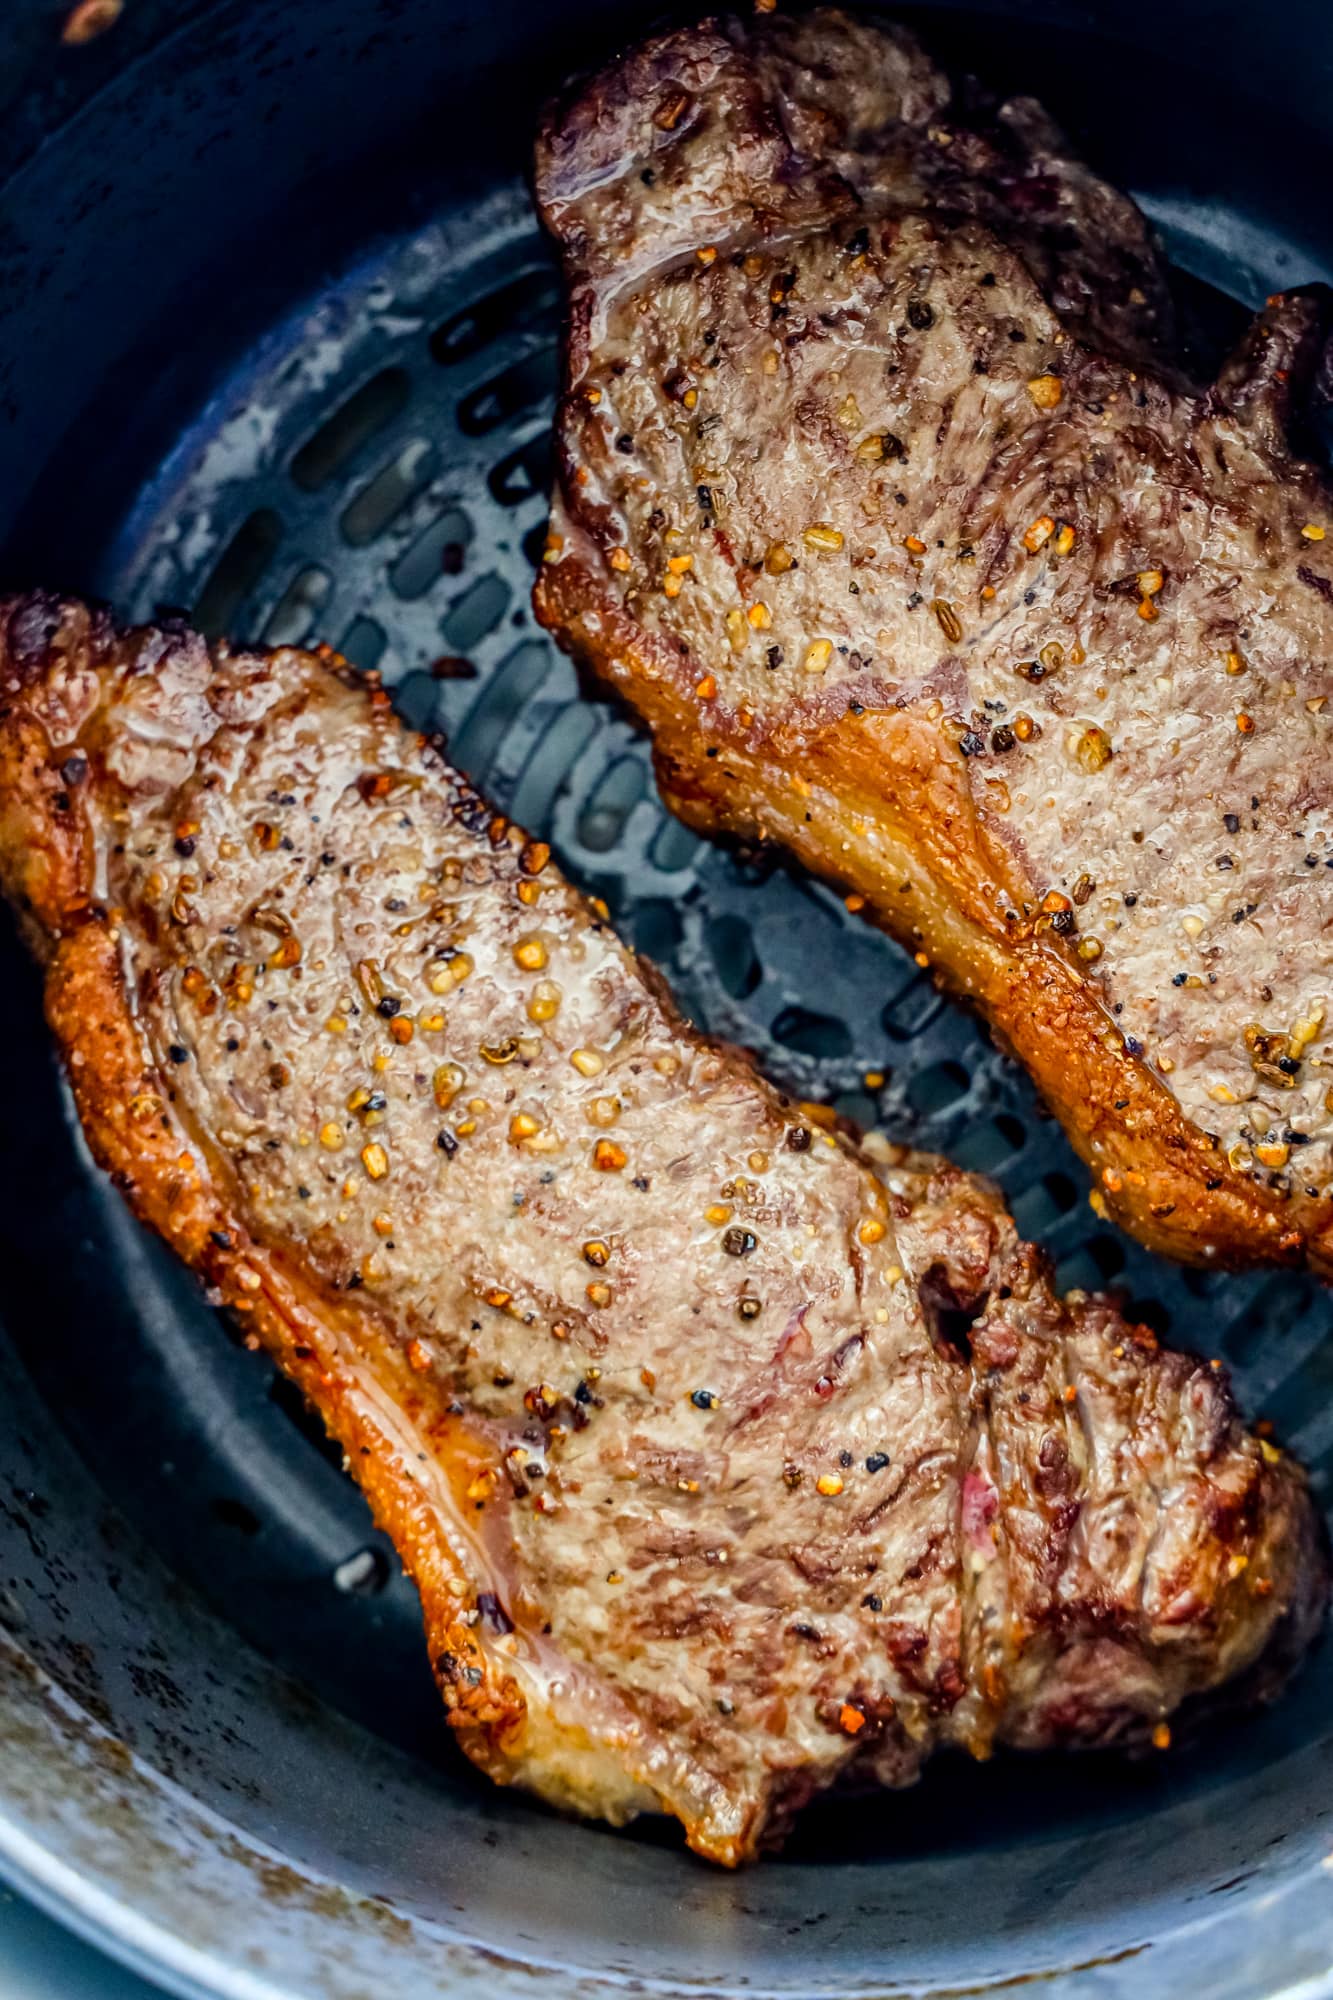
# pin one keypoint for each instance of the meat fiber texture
(730, 1461)
(883, 501)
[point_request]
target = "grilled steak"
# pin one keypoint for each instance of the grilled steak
(882, 501)
(725, 1465)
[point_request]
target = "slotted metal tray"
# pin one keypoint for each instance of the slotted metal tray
(377, 475)
(220, 1749)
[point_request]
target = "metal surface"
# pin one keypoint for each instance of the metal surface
(219, 1749)
(41, 1960)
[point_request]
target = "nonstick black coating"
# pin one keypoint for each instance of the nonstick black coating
(277, 342)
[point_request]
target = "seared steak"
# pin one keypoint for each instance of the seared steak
(725, 1465)
(883, 504)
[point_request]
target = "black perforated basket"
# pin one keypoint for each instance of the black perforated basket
(279, 345)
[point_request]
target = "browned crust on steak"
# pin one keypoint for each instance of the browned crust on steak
(748, 1524)
(881, 810)
(179, 1186)
(860, 271)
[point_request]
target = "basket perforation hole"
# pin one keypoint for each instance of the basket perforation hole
(1108, 1254)
(731, 947)
(296, 610)
(813, 1034)
(439, 549)
(235, 1514)
(415, 698)
(526, 385)
(1038, 1208)
(858, 1105)
(379, 503)
(674, 847)
(363, 643)
(477, 612)
(1012, 1130)
(242, 564)
(1303, 1397)
(936, 1087)
(351, 427)
(526, 473)
(911, 1009)
(533, 296)
(1151, 1313)
(1273, 1311)
(508, 691)
(613, 799)
(1076, 1273)
(561, 745)
(990, 1145)
(655, 928)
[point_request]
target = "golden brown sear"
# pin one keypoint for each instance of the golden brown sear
(883, 503)
(729, 1462)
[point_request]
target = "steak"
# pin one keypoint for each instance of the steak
(885, 503)
(731, 1458)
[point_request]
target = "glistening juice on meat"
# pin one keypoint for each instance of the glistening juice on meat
(730, 1462)
(884, 501)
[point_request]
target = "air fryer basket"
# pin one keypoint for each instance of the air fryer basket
(278, 342)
